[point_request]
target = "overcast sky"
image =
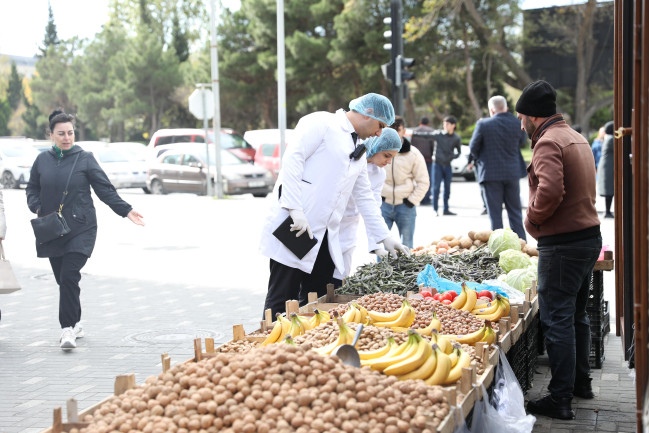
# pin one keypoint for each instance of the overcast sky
(22, 22)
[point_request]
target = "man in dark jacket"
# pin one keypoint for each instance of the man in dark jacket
(495, 147)
(561, 215)
(448, 146)
(422, 138)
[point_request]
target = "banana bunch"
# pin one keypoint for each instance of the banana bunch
(345, 336)
(402, 318)
(459, 360)
(486, 334)
(442, 341)
(356, 314)
(279, 331)
(435, 324)
(496, 309)
(318, 318)
(466, 300)
(403, 358)
(366, 355)
(299, 325)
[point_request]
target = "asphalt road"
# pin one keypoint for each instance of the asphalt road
(193, 270)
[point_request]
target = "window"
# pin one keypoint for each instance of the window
(268, 149)
(183, 138)
(164, 140)
(171, 159)
(188, 159)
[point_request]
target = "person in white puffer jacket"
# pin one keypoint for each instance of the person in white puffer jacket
(406, 184)
(380, 151)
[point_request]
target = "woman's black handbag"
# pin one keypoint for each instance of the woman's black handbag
(53, 225)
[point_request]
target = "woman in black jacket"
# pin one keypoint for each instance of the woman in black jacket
(68, 254)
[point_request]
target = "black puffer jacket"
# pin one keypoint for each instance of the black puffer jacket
(45, 188)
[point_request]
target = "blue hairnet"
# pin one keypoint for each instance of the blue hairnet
(375, 106)
(388, 140)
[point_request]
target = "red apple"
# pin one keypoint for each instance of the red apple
(486, 294)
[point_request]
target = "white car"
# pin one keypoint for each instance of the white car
(122, 168)
(259, 137)
(459, 165)
(16, 159)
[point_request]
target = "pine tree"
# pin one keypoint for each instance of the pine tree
(14, 88)
(51, 36)
(180, 42)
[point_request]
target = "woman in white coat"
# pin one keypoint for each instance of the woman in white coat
(379, 153)
(320, 171)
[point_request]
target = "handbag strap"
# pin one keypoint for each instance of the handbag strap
(65, 191)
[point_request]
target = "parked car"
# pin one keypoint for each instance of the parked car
(268, 152)
(123, 169)
(16, 159)
(230, 140)
(459, 165)
(183, 169)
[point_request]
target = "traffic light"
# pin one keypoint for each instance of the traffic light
(406, 64)
(388, 70)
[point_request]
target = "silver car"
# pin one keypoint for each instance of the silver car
(184, 169)
(124, 170)
(16, 159)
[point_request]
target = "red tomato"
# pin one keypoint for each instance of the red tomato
(447, 296)
(453, 294)
(437, 296)
(485, 294)
(446, 301)
(426, 294)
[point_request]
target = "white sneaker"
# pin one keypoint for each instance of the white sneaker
(68, 338)
(78, 330)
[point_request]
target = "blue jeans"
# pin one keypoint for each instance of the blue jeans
(404, 217)
(441, 173)
(563, 286)
(497, 192)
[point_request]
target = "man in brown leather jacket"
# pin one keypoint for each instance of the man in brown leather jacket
(561, 215)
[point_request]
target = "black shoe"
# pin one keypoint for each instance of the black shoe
(609, 215)
(584, 389)
(554, 408)
(484, 212)
(448, 212)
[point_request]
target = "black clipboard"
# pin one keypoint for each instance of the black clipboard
(299, 246)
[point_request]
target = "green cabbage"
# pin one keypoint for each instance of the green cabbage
(513, 259)
(521, 279)
(503, 239)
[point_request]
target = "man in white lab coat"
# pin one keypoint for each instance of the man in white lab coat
(320, 171)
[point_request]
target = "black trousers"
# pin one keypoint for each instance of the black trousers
(67, 271)
(287, 283)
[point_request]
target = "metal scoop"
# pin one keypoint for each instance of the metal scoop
(348, 353)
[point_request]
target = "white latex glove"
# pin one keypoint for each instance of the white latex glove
(381, 253)
(392, 245)
(300, 223)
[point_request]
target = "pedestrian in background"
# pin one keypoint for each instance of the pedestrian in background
(321, 169)
(68, 254)
(596, 147)
(561, 216)
(496, 149)
(379, 153)
(606, 169)
(406, 183)
(448, 146)
(423, 139)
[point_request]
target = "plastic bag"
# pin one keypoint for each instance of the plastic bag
(513, 294)
(430, 278)
(460, 421)
(507, 399)
(486, 418)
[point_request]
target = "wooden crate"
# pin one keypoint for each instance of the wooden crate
(327, 302)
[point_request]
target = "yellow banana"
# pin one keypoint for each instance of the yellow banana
(434, 324)
(471, 298)
(489, 309)
(388, 317)
(399, 329)
(285, 325)
(425, 370)
(274, 334)
(373, 354)
(505, 301)
(395, 349)
(318, 318)
(382, 363)
(459, 300)
(454, 357)
(500, 312)
(412, 363)
(442, 341)
(406, 319)
(442, 369)
(471, 338)
(304, 322)
(296, 327)
(464, 360)
(343, 338)
(363, 311)
(350, 315)
(489, 336)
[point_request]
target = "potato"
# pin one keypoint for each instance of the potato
(471, 235)
(465, 242)
(454, 243)
(483, 235)
(448, 237)
(531, 251)
(477, 242)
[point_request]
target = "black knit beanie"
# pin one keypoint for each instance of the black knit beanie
(538, 99)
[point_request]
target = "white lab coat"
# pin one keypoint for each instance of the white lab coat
(349, 223)
(318, 177)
